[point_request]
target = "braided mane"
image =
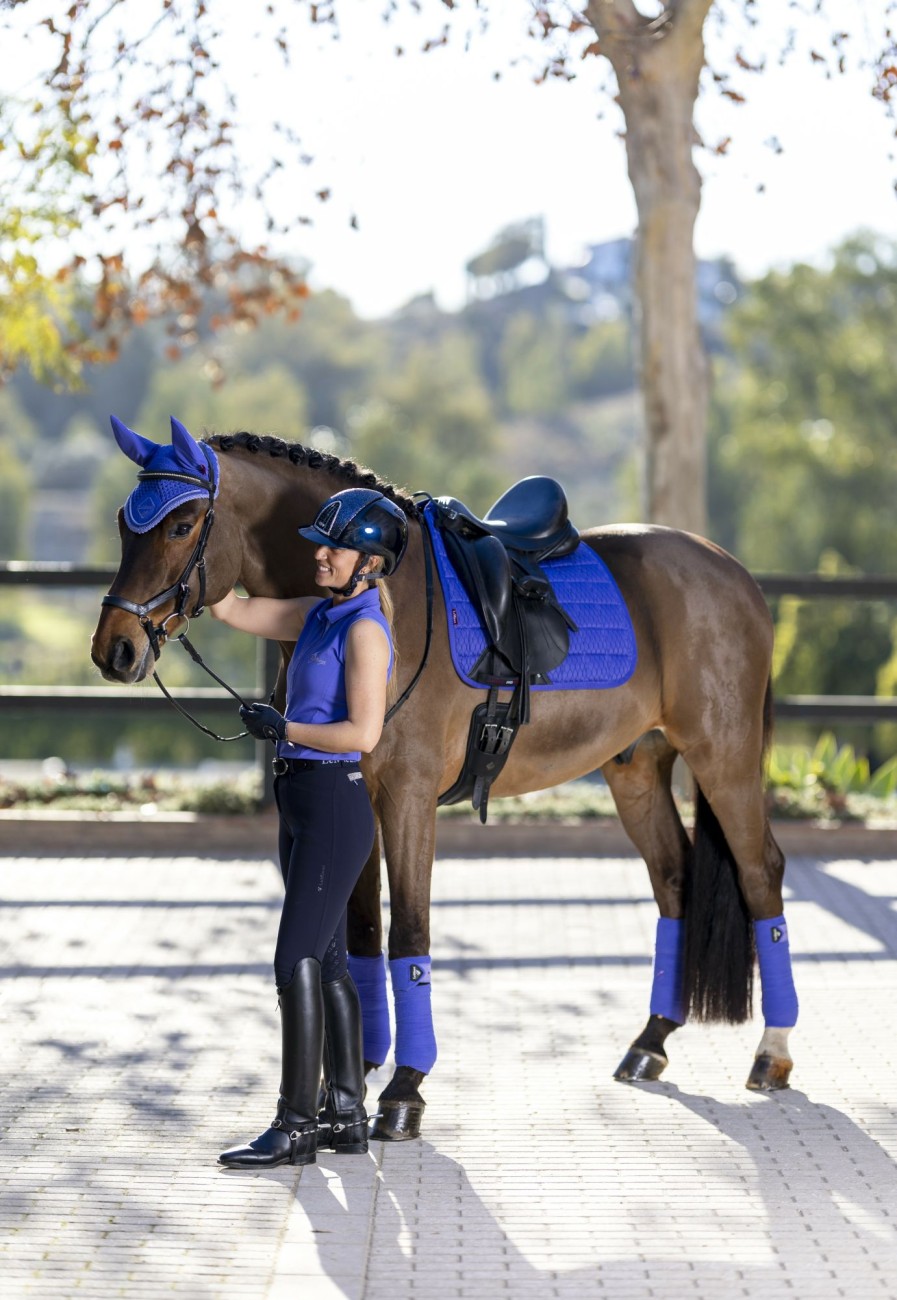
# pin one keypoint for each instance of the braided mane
(346, 470)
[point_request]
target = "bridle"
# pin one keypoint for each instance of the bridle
(181, 588)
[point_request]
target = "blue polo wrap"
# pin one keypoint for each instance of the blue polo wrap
(415, 1038)
(780, 1005)
(669, 956)
(369, 974)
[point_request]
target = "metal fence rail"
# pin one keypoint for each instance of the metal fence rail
(91, 699)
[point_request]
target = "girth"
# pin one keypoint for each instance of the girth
(497, 558)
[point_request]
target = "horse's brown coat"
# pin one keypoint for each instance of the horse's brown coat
(704, 640)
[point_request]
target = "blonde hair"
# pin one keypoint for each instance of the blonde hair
(387, 607)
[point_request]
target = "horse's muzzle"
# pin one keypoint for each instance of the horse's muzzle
(119, 661)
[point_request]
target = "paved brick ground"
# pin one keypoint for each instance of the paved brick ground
(140, 1036)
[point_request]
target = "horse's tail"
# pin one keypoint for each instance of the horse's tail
(719, 934)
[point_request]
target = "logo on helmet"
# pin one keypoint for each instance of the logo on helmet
(326, 520)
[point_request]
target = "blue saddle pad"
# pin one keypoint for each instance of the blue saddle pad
(603, 651)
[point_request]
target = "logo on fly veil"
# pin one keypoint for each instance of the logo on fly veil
(326, 520)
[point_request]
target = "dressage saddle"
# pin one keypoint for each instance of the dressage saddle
(497, 559)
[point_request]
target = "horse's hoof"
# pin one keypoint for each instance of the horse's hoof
(398, 1121)
(769, 1073)
(639, 1066)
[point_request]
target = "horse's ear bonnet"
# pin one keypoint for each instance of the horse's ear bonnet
(361, 519)
(184, 467)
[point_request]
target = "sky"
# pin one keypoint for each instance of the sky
(432, 155)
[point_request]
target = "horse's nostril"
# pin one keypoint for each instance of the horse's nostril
(122, 655)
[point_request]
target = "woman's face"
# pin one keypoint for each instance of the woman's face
(334, 566)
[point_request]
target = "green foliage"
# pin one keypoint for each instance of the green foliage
(805, 457)
(43, 159)
(830, 647)
(266, 400)
(831, 770)
(113, 482)
(601, 362)
(15, 485)
(430, 424)
(328, 351)
(535, 362)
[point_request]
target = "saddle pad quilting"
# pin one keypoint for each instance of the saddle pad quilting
(602, 652)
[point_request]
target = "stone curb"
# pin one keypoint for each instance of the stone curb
(125, 834)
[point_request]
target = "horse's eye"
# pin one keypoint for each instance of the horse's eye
(180, 530)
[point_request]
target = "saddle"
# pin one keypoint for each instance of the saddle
(497, 559)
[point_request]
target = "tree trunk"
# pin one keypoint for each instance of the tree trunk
(658, 65)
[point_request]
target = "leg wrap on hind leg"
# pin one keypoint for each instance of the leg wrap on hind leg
(415, 1039)
(369, 974)
(776, 980)
(669, 954)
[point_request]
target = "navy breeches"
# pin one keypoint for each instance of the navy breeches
(326, 835)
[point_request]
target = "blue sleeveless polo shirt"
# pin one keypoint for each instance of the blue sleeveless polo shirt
(316, 677)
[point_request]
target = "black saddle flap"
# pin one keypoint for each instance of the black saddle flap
(483, 566)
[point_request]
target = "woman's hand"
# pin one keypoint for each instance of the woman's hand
(264, 722)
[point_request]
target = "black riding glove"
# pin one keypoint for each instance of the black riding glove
(264, 722)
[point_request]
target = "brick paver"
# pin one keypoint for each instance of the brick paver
(140, 1036)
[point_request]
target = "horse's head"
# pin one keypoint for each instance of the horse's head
(165, 527)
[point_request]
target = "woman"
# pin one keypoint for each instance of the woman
(336, 697)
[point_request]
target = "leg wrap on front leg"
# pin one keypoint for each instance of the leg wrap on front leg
(369, 974)
(415, 1038)
(776, 980)
(669, 955)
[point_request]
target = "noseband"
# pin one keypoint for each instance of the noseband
(180, 588)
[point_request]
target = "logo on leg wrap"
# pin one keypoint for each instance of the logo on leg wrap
(419, 976)
(777, 934)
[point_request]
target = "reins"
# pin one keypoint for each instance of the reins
(428, 571)
(198, 659)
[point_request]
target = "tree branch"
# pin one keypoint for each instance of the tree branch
(619, 21)
(689, 16)
(612, 18)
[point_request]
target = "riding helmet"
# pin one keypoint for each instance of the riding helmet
(362, 519)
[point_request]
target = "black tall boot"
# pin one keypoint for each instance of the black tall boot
(292, 1136)
(343, 1123)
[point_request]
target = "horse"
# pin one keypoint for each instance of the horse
(701, 689)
